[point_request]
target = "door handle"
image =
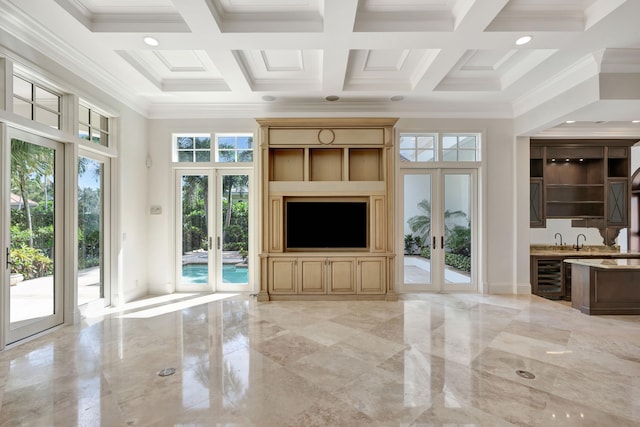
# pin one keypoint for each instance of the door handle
(8, 262)
(434, 242)
(441, 242)
(218, 242)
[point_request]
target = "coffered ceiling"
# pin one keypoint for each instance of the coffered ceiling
(415, 58)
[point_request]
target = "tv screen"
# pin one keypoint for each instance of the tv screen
(320, 224)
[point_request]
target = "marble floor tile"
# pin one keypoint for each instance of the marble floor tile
(425, 360)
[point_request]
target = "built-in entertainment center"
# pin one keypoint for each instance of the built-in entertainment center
(327, 208)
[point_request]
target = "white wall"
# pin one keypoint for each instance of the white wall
(133, 181)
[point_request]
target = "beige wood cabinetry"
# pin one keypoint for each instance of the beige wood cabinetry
(330, 160)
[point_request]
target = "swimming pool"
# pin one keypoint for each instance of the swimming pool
(199, 274)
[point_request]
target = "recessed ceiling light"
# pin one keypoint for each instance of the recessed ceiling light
(396, 98)
(268, 98)
(523, 40)
(570, 121)
(332, 98)
(150, 41)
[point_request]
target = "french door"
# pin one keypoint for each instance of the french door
(439, 228)
(93, 229)
(213, 236)
(33, 262)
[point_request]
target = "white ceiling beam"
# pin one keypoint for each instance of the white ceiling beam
(339, 19)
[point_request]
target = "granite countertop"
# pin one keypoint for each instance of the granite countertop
(585, 251)
(613, 264)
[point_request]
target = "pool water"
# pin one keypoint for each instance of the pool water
(199, 274)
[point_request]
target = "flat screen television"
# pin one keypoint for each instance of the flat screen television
(331, 224)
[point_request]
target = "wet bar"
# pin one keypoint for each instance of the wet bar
(605, 286)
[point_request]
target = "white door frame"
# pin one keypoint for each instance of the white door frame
(437, 283)
(209, 286)
(39, 325)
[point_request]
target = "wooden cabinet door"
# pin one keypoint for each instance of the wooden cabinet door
(282, 275)
(311, 275)
(536, 203)
(341, 279)
(371, 275)
(617, 205)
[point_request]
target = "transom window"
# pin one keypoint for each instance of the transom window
(93, 126)
(194, 147)
(234, 148)
(228, 147)
(434, 147)
(418, 147)
(459, 148)
(36, 103)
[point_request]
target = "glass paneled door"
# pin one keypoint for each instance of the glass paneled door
(438, 230)
(233, 231)
(194, 231)
(93, 197)
(213, 232)
(34, 248)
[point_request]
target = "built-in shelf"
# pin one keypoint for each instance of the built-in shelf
(580, 179)
(328, 161)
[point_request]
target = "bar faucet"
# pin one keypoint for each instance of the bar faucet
(556, 236)
(578, 246)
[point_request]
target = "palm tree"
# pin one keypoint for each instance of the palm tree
(421, 224)
(29, 161)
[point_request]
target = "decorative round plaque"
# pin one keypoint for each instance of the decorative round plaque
(326, 136)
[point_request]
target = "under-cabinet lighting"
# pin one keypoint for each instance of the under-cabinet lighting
(523, 40)
(582, 160)
(570, 121)
(553, 160)
(635, 121)
(566, 160)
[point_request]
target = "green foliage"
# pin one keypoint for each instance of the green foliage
(426, 252)
(30, 262)
(19, 237)
(459, 240)
(461, 262)
(236, 237)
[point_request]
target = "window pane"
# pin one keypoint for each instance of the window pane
(226, 156)
(185, 156)
(407, 155)
(46, 117)
(425, 142)
(449, 155)
(104, 123)
(467, 155)
(104, 138)
(468, 142)
(245, 156)
(203, 142)
(95, 136)
(226, 142)
(203, 156)
(47, 99)
(185, 142)
(407, 142)
(245, 142)
(83, 114)
(83, 132)
(22, 108)
(426, 156)
(449, 142)
(22, 88)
